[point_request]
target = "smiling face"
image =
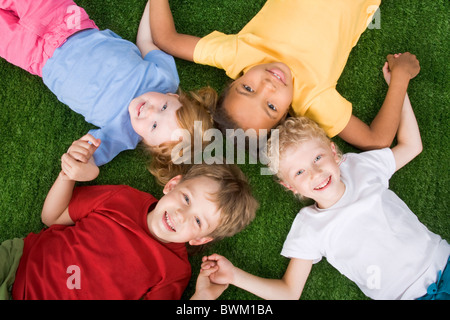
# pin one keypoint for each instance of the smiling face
(187, 211)
(261, 97)
(312, 170)
(153, 117)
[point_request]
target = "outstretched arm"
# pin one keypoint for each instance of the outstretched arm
(55, 209)
(165, 36)
(289, 287)
(77, 165)
(409, 142)
(144, 40)
(383, 128)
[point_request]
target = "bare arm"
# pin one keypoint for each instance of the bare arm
(55, 209)
(144, 39)
(76, 165)
(409, 142)
(383, 128)
(289, 287)
(164, 34)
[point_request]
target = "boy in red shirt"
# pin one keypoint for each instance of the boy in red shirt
(115, 242)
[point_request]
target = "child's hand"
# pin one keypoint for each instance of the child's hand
(224, 273)
(83, 148)
(205, 289)
(387, 71)
(73, 169)
(78, 164)
(405, 64)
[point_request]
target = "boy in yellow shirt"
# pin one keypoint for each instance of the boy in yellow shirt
(288, 58)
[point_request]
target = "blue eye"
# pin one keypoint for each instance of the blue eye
(186, 199)
(247, 88)
(164, 107)
(198, 221)
(272, 107)
(317, 158)
(299, 172)
(154, 126)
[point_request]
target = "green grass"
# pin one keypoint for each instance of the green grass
(36, 129)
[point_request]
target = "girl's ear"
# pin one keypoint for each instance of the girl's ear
(172, 184)
(284, 184)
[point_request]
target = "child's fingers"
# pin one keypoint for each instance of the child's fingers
(65, 165)
(385, 69)
(80, 154)
(81, 150)
(208, 264)
(80, 157)
(65, 158)
(90, 138)
(68, 161)
(82, 144)
(386, 73)
(208, 272)
(215, 257)
(389, 58)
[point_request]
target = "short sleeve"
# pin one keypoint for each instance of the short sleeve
(216, 50)
(108, 149)
(117, 136)
(381, 162)
(299, 242)
(88, 198)
(166, 69)
(330, 110)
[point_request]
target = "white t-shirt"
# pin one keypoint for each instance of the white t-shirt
(370, 235)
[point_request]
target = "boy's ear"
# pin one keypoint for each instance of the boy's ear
(173, 94)
(172, 184)
(200, 241)
(333, 150)
(284, 184)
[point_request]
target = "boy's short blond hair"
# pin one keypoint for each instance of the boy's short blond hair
(293, 132)
(234, 200)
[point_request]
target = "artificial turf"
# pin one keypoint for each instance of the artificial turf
(36, 129)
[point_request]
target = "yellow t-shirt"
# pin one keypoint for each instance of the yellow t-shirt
(314, 38)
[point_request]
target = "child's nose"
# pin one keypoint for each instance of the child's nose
(268, 84)
(180, 216)
(150, 112)
(315, 170)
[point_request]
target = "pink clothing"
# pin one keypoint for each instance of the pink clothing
(31, 30)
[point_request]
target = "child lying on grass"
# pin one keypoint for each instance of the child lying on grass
(116, 242)
(362, 228)
(129, 91)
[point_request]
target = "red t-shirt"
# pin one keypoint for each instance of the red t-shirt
(108, 254)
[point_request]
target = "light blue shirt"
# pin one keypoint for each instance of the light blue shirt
(97, 74)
